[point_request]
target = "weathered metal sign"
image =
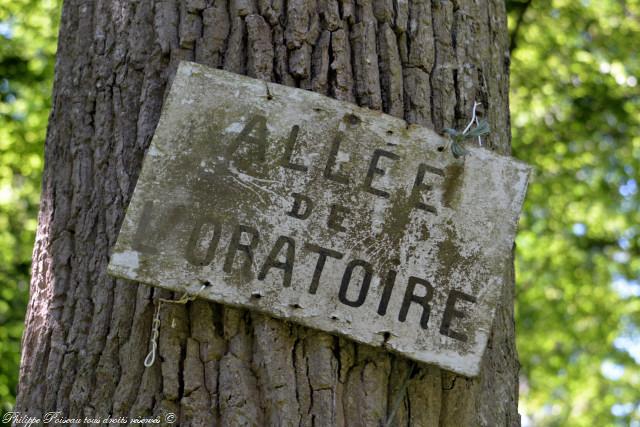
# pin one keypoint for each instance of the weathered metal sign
(323, 213)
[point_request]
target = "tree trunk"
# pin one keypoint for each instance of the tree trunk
(87, 334)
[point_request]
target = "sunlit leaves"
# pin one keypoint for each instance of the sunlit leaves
(27, 48)
(576, 116)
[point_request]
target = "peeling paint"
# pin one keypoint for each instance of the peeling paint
(127, 260)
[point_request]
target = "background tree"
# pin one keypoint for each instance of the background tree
(28, 30)
(86, 333)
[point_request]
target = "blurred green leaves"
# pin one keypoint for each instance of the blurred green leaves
(575, 104)
(28, 31)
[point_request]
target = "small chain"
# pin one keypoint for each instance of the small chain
(155, 325)
(153, 343)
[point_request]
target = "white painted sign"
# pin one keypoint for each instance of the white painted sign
(323, 213)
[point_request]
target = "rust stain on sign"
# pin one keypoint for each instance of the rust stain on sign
(323, 213)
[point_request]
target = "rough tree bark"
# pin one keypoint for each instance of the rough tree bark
(87, 334)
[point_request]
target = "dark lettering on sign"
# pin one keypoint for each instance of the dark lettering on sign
(235, 246)
(144, 230)
(300, 206)
(150, 233)
(424, 300)
(337, 217)
(375, 170)
(352, 119)
(419, 187)
(288, 153)
(346, 280)
(196, 237)
(329, 173)
(450, 312)
(272, 260)
(298, 200)
(258, 124)
(323, 253)
(389, 283)
(206, 235)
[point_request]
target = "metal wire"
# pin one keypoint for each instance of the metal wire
(155, 324)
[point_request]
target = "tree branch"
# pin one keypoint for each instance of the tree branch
(513, 37)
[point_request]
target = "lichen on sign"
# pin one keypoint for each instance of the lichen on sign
(317, 211)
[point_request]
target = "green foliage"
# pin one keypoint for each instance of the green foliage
(575, 104)
(28, 31)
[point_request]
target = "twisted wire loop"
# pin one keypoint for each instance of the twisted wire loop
(456, 137)
(155, 324)
(474, 119)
